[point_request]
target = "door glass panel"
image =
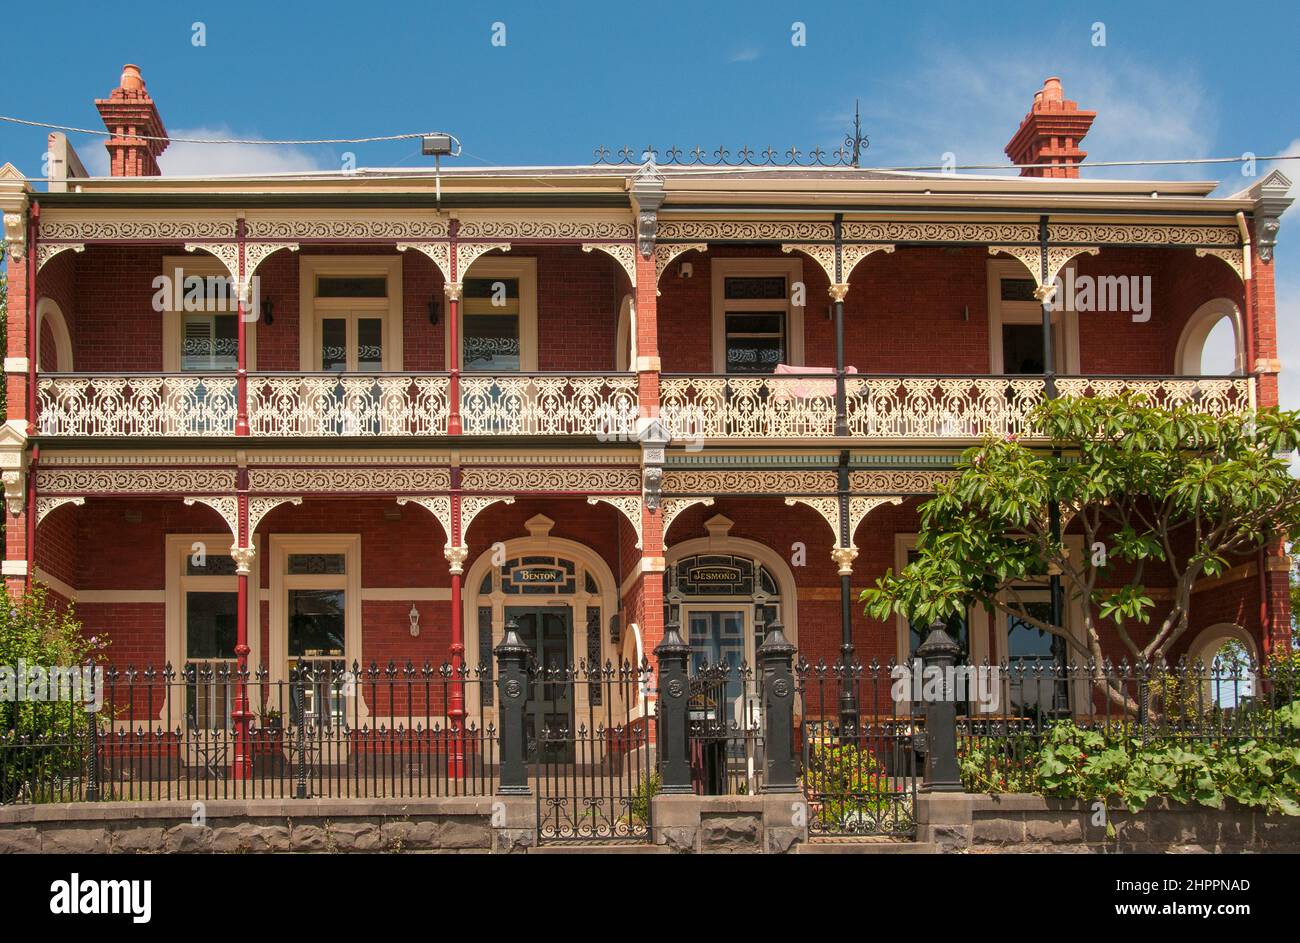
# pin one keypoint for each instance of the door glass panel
(718, 638)
(370, 345)
(1022, 348)
(210, 620)
(548, 712)
(755, 341)
(1036, 661)
(490, 325)
(334, 344)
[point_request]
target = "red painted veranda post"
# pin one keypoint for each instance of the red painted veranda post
(455, 551)
(242, 552)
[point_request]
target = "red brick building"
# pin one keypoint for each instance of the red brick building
(421, 412)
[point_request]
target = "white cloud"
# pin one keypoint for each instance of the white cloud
(745, 54)
(185, 160)
(182, 159)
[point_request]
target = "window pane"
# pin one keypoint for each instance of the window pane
(370, 344)
(214, 564)
(769, 323)
(1022, 348)
(209, 342)
(316, 563)
(352, 287)
(1018, 289)
(753, 354)
(766, 287)
(334, 344)
(210, 625)
(316, 626)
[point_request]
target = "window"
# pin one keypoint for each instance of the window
(352, 314)
(1036, 659)
(755, 323)
(1016, 325)
(490, 321)
(200, 317)
(201, 615)
(316, 623)
(498, 317)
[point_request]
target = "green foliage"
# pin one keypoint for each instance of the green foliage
(1170, 489)
(847, 784)
(1283, 674)
(41, 740)
(1112, 765)
(646, 790)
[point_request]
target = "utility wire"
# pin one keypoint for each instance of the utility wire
(148, 137)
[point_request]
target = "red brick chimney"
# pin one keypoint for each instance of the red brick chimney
(1050, 134)
(131, 116)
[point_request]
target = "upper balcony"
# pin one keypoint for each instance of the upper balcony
(351, 338)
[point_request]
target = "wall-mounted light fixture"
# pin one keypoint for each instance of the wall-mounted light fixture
(965, 312)
(414, 616)
(268, 311)
(434, 309)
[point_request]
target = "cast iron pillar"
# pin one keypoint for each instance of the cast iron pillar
(940, 652)
(776, 659)
(512, 681)
(674, 697)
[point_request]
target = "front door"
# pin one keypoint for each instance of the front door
(548, 713)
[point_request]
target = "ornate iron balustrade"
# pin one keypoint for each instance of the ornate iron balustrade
(961, 408)
(145, 405)
(603, 405)
(292, 405)
(1217, 396)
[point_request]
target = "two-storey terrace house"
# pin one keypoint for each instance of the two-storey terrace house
(424, 410)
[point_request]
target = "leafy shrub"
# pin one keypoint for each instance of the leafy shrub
(1110, 764)
(848, 785)
(41, 742)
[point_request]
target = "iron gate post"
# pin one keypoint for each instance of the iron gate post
(940, 652)
(512, 680)
(672, 707)
(776, 657)
(92, 769)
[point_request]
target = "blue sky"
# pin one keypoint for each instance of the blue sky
(1181, 79)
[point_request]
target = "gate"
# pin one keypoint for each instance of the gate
(725, 731)
(859, 751)
(591, 769)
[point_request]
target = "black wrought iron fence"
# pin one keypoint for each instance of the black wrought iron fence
(1002, 732)
(860, 750)
(208, 731)
(725, 730)
(587, 736)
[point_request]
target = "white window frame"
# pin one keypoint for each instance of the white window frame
(1065, 322)
(791, 270)
(178, 548)
(525, 271)
(282, 545)
(176, 267)
(312, 309)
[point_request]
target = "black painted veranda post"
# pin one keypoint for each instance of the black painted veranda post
(776, 658)
(940, 652)
(674, 698)
(512, 681)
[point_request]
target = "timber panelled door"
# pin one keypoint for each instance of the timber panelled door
(548, 632)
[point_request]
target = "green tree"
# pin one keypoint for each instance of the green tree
(1174, 491)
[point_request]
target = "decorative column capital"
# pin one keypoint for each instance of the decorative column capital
(243, 557)
(456, 557)
(839, 291)
(15, 235)
(647, 196)
(15, 485)
(453, 290)
(844, 557)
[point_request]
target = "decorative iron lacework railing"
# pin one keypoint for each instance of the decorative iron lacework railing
(549, 404)
(293, 405)
(151, 405)
(1214, 395)
(905, 407)
(789, 406)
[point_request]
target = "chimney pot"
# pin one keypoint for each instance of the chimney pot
(131, 80)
